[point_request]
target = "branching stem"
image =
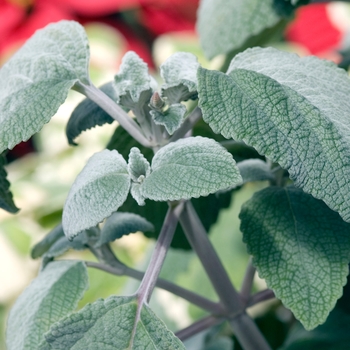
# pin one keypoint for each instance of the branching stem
(248, 281)
(165, 237)
(199, 326)
(110, 107)
(194, 298)
(244, 327)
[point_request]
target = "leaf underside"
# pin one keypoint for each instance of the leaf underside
(301, 248)
(6, 198)
(36, 80)
(120, 224)
(109, 324)
(50, 296)
(88, 115)
(288, 109)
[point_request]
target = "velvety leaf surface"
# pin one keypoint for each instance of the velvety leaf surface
(44, 245)
(179, 72)
(191, 167)
(98, 191)
(138, 165)
(88, 115)
(300, 247)
(255, 170)
(36, 80)
(51, 296)
(207, 207)
(109, 325)
(120, 224)
(224, 25)
(172, 118)
(6, 198)
(133, 77)
(293, 110)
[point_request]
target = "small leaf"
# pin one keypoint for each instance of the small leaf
(88, 115)
(224, 25)
(300, 247)
(172, 118)
(136, 193)
(98, 191)
(133, 79)
(51, 296)
(191, 167)
(120, 224)
(6, 199)
(179, 73)
(112, 324)
(36, 80)
(138, 165)
(44, 245)
(208, 207)
(288, 109)
(255, 170)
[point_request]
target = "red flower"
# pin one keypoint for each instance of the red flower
(313, 29)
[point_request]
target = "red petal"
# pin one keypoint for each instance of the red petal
(313, 29)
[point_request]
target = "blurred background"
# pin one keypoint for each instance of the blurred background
(42, 170)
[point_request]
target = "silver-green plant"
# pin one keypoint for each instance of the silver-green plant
(292, 111)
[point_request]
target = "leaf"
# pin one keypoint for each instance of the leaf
(50, 296)
(172, 118)
(6, 198)
(112, 324)
(120, 224)
(45, 244)
(255, 170)
(288, 109)
(224, 25)
(138, 165)
(98, 191)
(36, 80)
(333, 334)
(179, 73)
(88, 115)
(300, 247)
(191, 167)
(132, 80)
(207, 207)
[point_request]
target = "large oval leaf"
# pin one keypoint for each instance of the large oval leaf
(293, 110)
(300, 247)
(113, 323)
(191, 167)
(98, 191)
(36, 80)
(224, 25)
(51, 296)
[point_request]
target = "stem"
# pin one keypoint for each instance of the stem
(244, 327)
(198, 327)
(248, 334)
(264, 295)
(165, 237)
(217, 274)
(248, 281)
(110, 107)
(187, 125)
(193, 298)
